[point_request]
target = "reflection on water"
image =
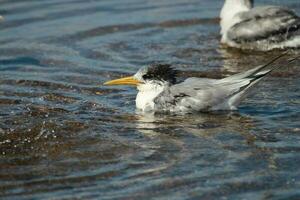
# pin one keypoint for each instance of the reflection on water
(63, 135)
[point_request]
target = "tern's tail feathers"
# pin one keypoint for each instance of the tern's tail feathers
(240, 83)
(258, 71)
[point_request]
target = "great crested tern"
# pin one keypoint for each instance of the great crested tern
(159, 92)
(260, 28)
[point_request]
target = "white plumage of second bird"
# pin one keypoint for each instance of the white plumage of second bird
(261, 28)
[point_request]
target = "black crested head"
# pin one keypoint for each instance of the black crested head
(160, 72)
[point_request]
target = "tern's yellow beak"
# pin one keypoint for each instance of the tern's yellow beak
(123, 81)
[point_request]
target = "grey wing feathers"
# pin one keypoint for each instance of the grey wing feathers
(212, 94)
(261, 22)
(242, 82)
(192, 94)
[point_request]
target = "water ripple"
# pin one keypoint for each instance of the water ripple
(63, 135)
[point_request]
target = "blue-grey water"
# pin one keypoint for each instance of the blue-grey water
(63, 135)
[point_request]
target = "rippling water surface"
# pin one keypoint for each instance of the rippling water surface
(65, 136)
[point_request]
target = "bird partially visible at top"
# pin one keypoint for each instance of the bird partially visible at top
(158, 90)
(259, 28)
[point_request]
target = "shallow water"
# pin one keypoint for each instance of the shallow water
(65, 136)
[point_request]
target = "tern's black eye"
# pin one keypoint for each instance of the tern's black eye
(147, 76)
